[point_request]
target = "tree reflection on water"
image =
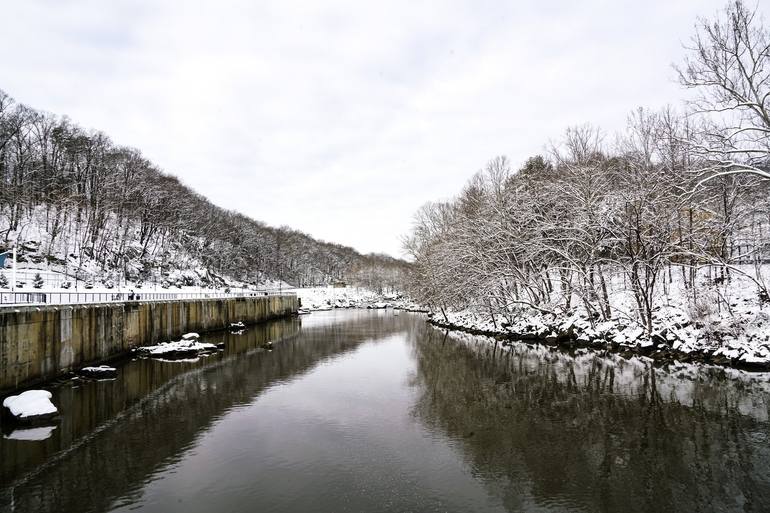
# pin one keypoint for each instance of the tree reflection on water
(593, 432)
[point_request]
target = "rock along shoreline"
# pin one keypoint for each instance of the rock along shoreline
(660, 354)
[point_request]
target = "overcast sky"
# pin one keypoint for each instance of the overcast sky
(340, 118)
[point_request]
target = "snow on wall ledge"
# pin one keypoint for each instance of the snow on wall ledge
(41, 343)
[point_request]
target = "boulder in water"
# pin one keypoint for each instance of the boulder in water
(100, 372)
(30, 407)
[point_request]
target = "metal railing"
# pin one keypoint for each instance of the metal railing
(72, 298)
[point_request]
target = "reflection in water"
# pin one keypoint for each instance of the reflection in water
(31, 433)
(367, 411)
(594, 433)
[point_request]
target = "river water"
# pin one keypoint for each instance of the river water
(371, 411)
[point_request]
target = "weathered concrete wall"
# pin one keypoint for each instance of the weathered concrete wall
(40, 343)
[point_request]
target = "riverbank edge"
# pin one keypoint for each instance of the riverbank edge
(566, 340)
(123, 357)
(39, 353)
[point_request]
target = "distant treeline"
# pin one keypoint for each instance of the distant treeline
(675, 193)
(80, 194)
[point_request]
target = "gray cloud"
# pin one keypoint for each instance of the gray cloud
(340, 118)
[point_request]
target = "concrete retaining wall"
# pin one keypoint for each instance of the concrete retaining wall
(41, 343)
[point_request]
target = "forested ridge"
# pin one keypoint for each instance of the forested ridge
(72, 197)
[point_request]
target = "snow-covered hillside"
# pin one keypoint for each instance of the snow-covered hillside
(74, 203)
(64, 263)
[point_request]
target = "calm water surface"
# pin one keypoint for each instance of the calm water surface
(371, 411)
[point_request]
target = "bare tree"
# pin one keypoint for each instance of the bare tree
(729, 69)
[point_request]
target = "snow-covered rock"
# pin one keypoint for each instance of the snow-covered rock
(31, 406)
(237, 325)
(191, 336)
(178, 349)
(100, 372)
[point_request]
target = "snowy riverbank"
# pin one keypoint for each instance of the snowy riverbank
(736, 337)
(739, 337)
(328, 298)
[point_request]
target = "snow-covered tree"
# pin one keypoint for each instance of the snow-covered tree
(729, 68)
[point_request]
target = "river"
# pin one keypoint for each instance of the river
(359, 410)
